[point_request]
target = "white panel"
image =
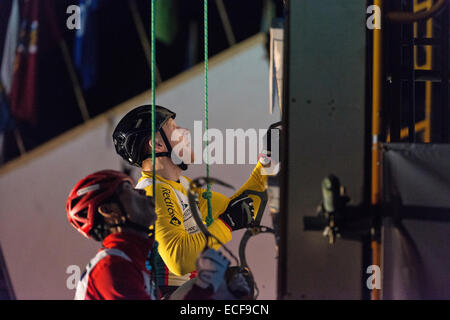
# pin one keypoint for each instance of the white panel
(38, 242)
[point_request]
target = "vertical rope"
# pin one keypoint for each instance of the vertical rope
(207, 195)
(153, 252)
(153, 68)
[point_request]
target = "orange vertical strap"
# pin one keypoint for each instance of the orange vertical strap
(376, 108)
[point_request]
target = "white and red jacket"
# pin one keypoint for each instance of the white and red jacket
(118, 272)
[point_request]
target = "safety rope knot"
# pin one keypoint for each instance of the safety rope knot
(207, 195)
(209, 219)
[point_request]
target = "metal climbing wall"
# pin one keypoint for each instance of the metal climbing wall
(325, 118)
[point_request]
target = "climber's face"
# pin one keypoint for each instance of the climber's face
(180, 140)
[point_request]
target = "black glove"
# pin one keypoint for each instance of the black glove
(239, 213)
(240, 283)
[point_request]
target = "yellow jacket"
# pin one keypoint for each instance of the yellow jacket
(179, 240)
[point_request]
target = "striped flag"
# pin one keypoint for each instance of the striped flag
(86, 39)
(10, 46)
(6, 121)
(23, 95)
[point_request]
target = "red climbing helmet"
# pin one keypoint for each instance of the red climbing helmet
(88, 194)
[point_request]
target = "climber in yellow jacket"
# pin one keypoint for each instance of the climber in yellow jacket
(179, 240)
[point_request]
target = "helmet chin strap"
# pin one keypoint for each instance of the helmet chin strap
(128, 223)
(168, 154)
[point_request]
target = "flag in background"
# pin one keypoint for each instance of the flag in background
(5, 12)
(268, 14)
(6, 121)
(86, 39)
(23, 95)
(9, 48)
(166, 23)
(7, 71)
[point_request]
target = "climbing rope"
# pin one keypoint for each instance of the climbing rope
(208, 194)
(153, 68)
(149, 264)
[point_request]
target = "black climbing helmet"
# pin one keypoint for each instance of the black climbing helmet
(135, 129)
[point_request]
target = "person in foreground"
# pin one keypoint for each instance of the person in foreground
(105, 206)
(178, 238)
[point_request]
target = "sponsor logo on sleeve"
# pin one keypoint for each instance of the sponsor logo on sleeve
(169, 204)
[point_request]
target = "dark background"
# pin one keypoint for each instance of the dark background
(123, 71)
